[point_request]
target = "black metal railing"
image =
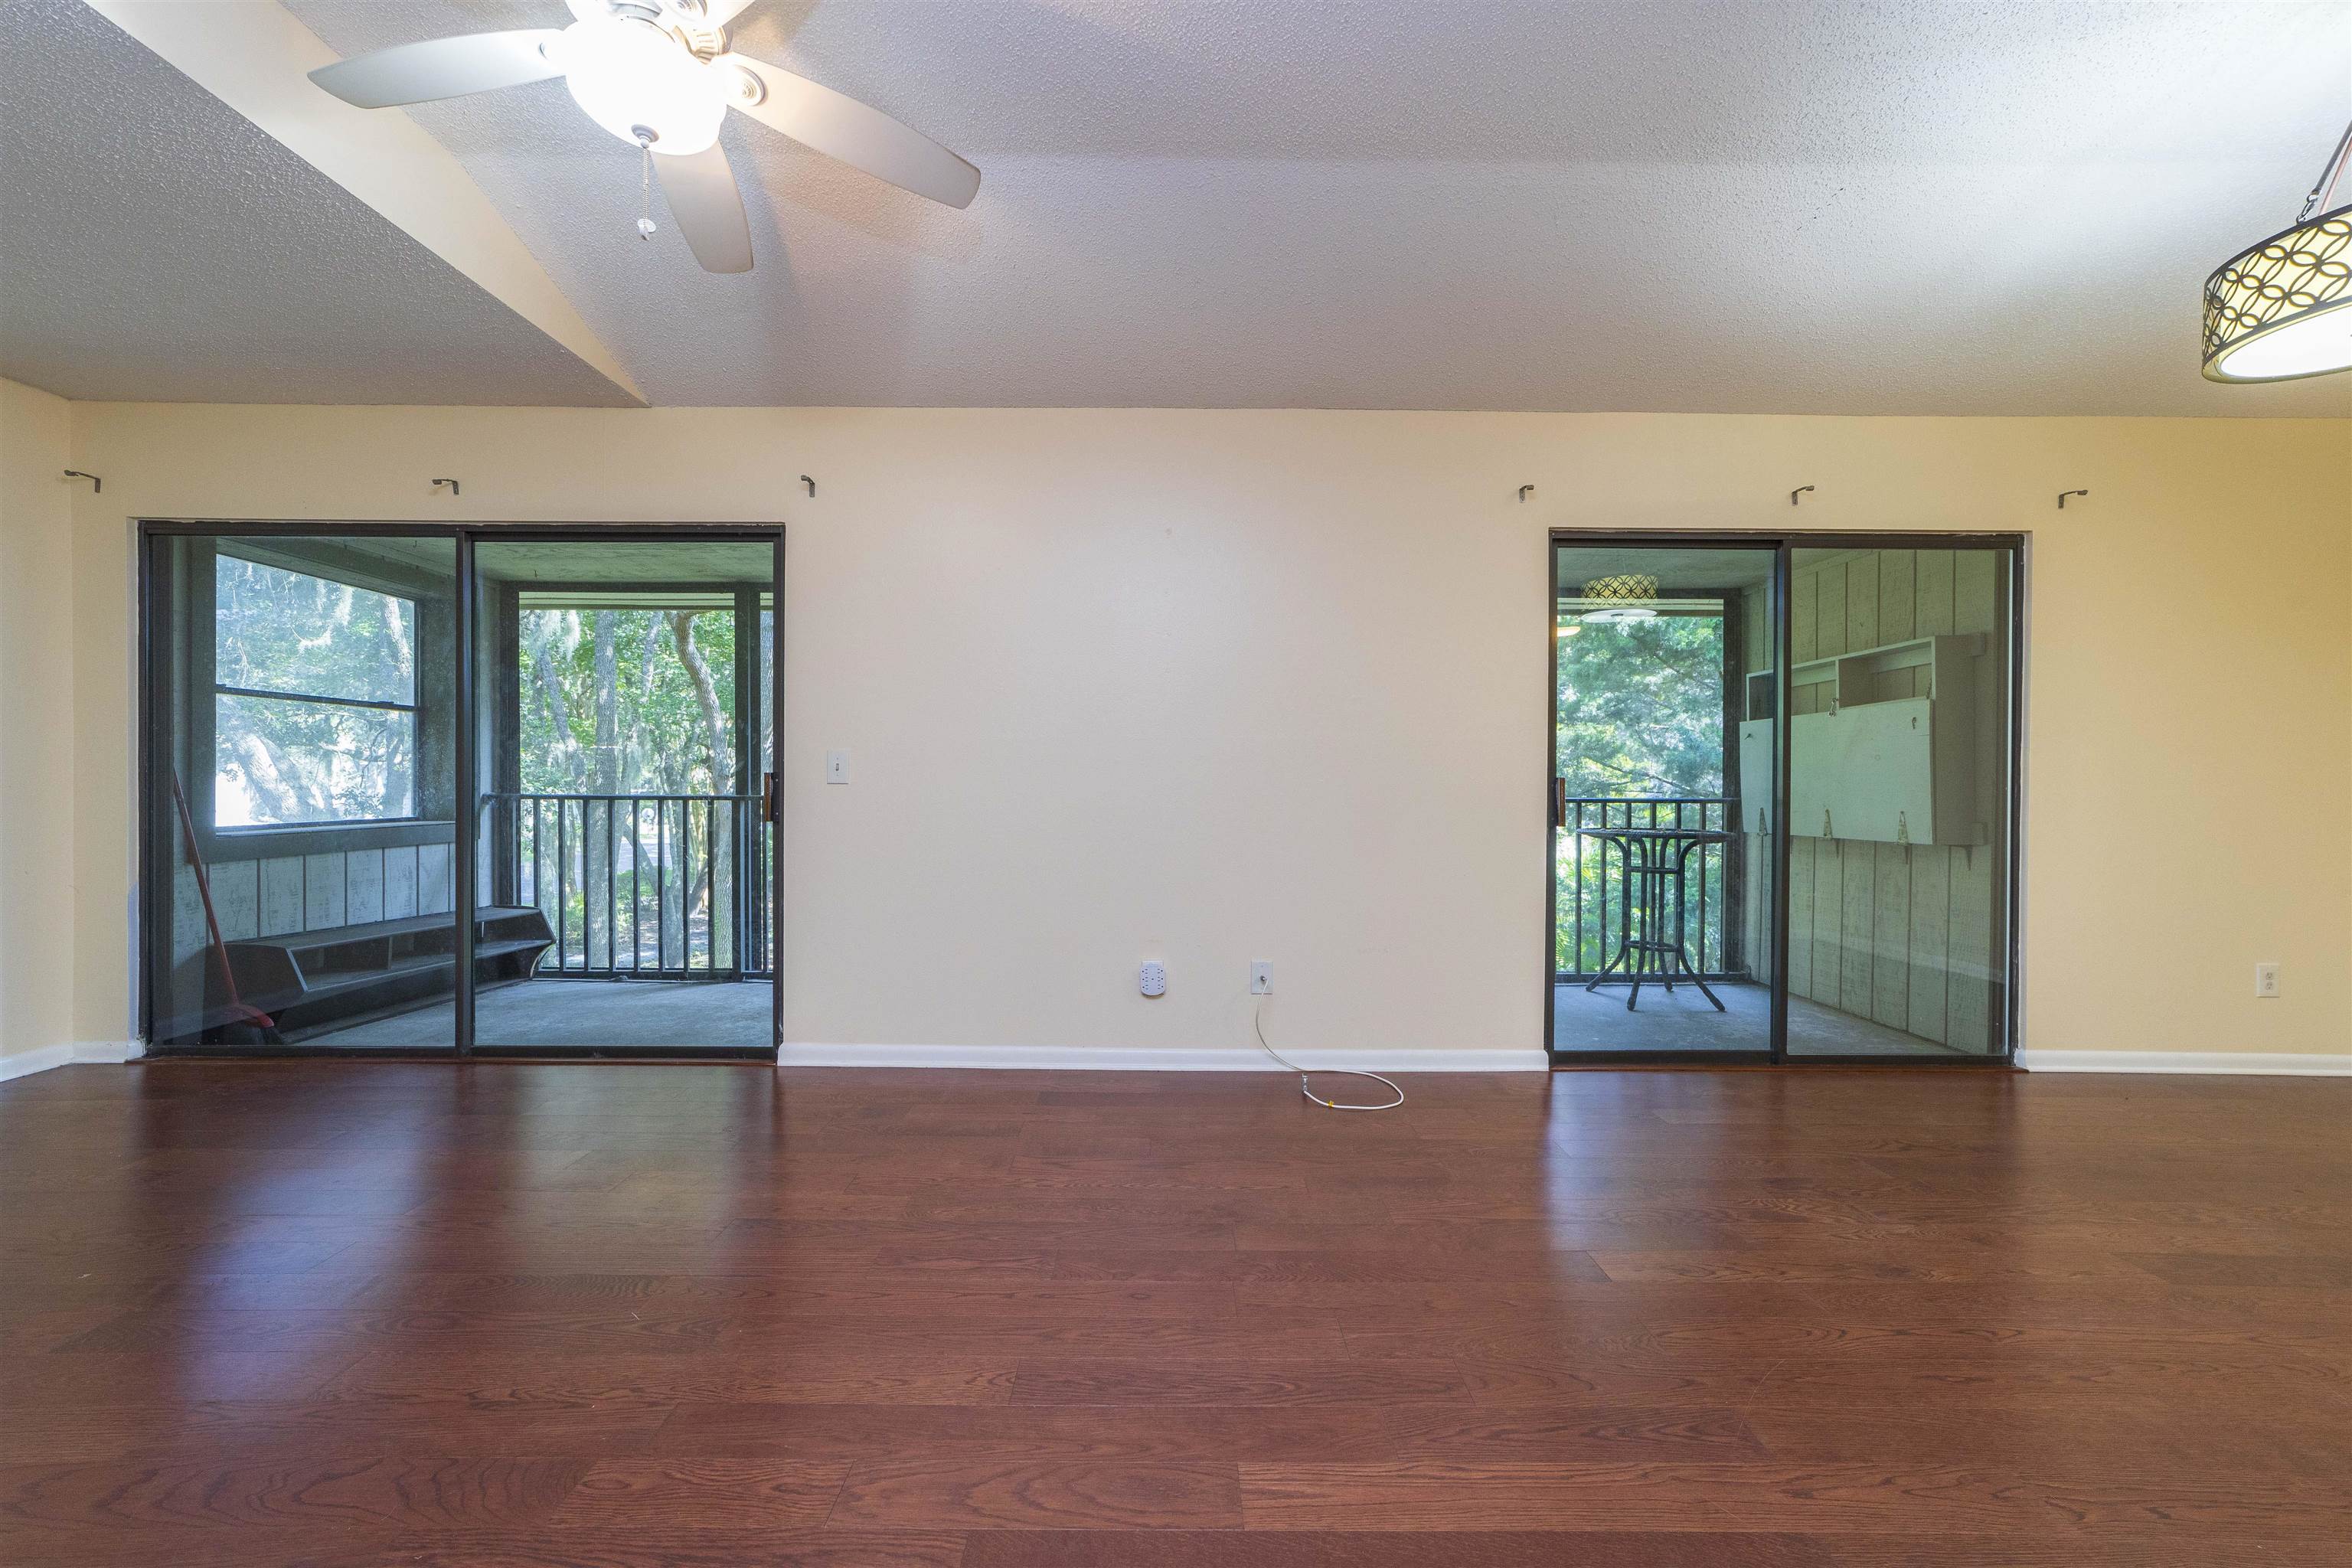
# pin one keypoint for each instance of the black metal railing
(653, 886)
(1591, 892)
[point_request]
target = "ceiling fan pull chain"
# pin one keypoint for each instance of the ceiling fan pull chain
(645, 223)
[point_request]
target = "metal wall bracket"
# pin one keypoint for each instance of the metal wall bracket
(2064, 494)
(1793, 494)
(97, 485)
(451, 483)
(1525, 491)
(811, 486)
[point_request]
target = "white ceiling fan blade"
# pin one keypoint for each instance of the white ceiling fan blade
(708, 209)
(440, 68)
(858, 134)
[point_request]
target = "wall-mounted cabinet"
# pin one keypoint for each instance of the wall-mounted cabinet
(1883, 746)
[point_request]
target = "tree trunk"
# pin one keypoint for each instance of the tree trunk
(706, 695)
(606, 774)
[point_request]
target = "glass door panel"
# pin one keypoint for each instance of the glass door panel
(300, 799)
(624, 854)
(1899, 819)
(1663, 775)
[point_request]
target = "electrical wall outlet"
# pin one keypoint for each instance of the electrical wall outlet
(1152, 979)
(837, 767)
(1261, 978)
(2266, 980)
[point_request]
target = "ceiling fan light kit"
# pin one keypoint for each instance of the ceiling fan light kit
(2281, 309)
(635, 80)
(659, 75)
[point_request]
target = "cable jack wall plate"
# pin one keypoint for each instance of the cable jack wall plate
(1152, 979)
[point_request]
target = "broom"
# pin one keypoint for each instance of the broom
(238, 1011)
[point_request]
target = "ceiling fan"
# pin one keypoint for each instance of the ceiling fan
(659, 75)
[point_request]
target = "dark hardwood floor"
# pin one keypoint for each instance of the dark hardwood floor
(715, 1317)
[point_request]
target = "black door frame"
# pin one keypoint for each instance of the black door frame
(1784, 545)
(152, 899)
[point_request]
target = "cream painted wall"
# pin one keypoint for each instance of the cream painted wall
(36, 722)
(1214, 686)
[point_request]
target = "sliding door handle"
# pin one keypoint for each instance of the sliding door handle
(768, 797)
(1558, 802)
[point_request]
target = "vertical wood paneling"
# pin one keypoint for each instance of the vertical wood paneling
(1890, 970)
(1970, 999)
(1972, 590)
(400, 882)
(281, 895)
(1829, 613)
(236, 898)
(1829, 892)
(1930, 916)
(1896, 609)
(1932, 588)
(323, 890)
(363, 879)
(1804, 598)
(1859, 866)
(1800, 915)
(1861, 603)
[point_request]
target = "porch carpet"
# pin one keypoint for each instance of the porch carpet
(583, 1013)
(1598, 1021)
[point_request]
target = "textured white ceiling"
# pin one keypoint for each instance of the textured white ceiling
(155, 245)
(1854, 208)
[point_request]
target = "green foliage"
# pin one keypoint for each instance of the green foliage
(1641, 707)
(609, 705)
(279, 759)
(1641, 718)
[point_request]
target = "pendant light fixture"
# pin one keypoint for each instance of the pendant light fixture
(2282, 309)
(1624, 597)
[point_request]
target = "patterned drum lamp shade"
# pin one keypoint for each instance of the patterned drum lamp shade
(1624, 597)
(2282, 309)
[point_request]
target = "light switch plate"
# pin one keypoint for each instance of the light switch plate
(837, 767)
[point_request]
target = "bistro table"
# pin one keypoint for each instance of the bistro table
(1650, 862)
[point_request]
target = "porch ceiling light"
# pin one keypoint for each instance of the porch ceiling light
(2282, 309)
(1624, 597)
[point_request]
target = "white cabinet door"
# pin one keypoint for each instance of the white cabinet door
(1864, 772)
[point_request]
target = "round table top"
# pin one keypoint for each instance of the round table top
(1694, 835)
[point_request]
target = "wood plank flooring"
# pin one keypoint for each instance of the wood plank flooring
(347, 1314)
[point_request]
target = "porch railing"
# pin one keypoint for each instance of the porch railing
(1589, 892)
(652, 886)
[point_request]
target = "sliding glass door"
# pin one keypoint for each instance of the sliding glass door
(1899, 772)
(301, 788)
(1782, 799)
(624, 886)
(1663, 759)
(441, 790)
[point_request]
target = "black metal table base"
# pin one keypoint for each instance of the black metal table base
(1652, 862)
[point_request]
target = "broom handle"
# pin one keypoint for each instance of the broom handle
(205, 891)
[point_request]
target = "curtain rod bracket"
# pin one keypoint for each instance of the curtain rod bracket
(97, 485)
(2064, 494)
(811, 486)
(1793, 494)
(451, 483)
(1525, 491)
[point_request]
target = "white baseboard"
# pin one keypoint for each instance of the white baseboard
(2258, 1063)
(1139, 1058)
(26, 1063)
